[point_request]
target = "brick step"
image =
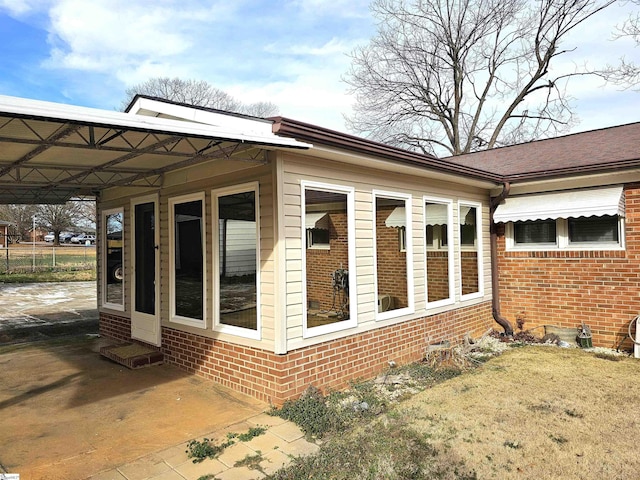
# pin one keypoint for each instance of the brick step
(132, 355)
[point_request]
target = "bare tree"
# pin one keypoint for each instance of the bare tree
(58, 218)
(199, 93)
(464, 75)
(626, 73)
(21, 218)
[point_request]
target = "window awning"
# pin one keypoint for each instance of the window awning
(566, 204)
(397, 218)
(318, 220)
(437, 214)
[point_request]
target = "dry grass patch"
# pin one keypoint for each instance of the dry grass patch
(537, 412)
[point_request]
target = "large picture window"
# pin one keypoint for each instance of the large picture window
(236, 241)
(113, 259)
(438, 221)
(187, 260)
(329, 278)
(394, 277)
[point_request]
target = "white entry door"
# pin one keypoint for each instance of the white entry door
(145, 295)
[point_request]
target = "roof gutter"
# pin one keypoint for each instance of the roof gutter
(495, 283)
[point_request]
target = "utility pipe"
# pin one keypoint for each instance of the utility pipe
(495, 284)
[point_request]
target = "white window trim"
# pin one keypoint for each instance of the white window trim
(311, 245)
(309, 332)
(410, 308)
(192, 322)
(217, 325)
(105, 266)
(450, 251)
(562, 240)
(477, 248)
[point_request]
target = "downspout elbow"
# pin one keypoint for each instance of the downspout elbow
(495, 284)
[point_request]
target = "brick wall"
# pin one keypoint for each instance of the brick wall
(599, 288)
(321, 263)
(391, 262)
(437, 274)
(115, 327)
(330, 365)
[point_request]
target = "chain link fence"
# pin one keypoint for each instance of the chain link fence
(28, 258)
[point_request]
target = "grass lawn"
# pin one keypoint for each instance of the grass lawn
(534, 412)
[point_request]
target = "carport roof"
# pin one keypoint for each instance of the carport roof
(51, 152)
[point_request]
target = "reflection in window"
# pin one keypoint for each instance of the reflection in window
(113, 270)
(237, 260)
(438, 251)
(187, 259)
(327, 269)
(391, 256)
(469, 249)
(602, 229)
(535, 231)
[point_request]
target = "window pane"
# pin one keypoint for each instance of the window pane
(535, 231)
(237, 254)
(114, 265)
(593, 229)
(189, 275)
(145, 258)
(327, 270)
(391, 259)
(468, 250)
(437, 252)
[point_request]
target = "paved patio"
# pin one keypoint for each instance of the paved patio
(67, 413)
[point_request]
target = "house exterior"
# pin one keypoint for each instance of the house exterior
(568, 231)
(270, 255)
(4, 233)
(302, 267)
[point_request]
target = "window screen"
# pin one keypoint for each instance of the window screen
(593, 229)
(535, 231)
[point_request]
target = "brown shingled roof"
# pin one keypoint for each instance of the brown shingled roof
(588, 152)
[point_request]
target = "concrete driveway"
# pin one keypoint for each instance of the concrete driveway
(40, 311)
(68, 413)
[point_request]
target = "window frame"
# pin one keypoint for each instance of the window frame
(215, 235)
(449, 247)
(104, 258)
(408, 251)
(349, 192)
(173, 317)
(477, 247)
(563, 242)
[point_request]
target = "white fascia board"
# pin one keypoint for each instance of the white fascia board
(63, 112)
(157, 108)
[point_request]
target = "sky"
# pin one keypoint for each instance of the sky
(293, 53)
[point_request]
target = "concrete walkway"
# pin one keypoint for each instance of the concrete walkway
(275, 448)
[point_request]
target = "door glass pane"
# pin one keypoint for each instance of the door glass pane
(391, 256)
(145, 258)
(437, 251)
(114, 265)
(188, 260)
(327, 268)
(469, 249)
(237, 254)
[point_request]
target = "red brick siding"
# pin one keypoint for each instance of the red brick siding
(391, 262)
(322, 263)
(437, 275)
(599, 288)
(469, 270)
(330, 365)
(115, 327)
